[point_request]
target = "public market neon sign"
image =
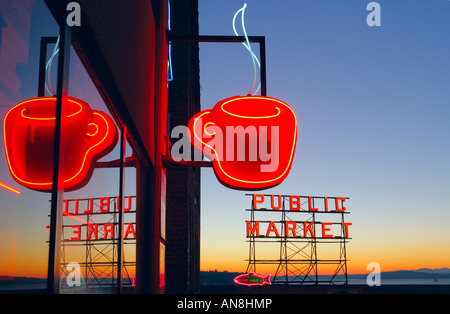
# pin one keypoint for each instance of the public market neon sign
(293, 228)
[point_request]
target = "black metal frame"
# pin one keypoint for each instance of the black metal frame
(53, 270)
(105, 249)
(261, 40)
(230, 39)
(54, 258)
(45, 41)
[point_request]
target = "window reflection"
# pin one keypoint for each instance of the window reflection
(24, 217)
(90, 225)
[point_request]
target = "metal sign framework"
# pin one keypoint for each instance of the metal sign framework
(55, 241)
(98, 257)
(299, 257)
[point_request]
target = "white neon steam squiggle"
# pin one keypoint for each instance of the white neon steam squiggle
(247, 45)
(48, 68)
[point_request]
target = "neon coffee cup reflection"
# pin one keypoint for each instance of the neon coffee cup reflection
(251, 140)
(28, 131)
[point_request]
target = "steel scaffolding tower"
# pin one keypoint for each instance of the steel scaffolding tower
(90, 239)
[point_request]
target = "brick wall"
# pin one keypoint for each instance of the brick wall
(183, 183)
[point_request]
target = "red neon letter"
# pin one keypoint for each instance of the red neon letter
(128, 207)
(256, 201)
(272, 228)
(309, 228)
(130, 230)
(104, 204)
(296, 202)
(66, 206)
(108, 228)
(90, 209)
(326, 203)
(251, 229)
(324, 230)
(76, 207)
(343, 209)
(292, 228)
(311, 209)
(273, 202)
(93, 228)
(76, 231)
(346, 224)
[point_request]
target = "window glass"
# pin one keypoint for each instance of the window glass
(23, 215)
(89, 247)
(91, 219)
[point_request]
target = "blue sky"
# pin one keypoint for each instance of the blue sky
(373, 110)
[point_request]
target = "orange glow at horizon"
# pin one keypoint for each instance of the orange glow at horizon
(355, 266)
(17, 261)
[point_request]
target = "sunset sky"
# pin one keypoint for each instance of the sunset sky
(373, 105)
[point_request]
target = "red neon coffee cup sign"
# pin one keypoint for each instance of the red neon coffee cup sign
(250, 139)
(28, 135)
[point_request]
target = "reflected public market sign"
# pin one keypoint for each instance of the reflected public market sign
(84, 219)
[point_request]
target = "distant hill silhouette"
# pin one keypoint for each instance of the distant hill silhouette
(422, 273)
(434, 271)
(20, 280)
(226, 278)
(214, 277)
(220, 278)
